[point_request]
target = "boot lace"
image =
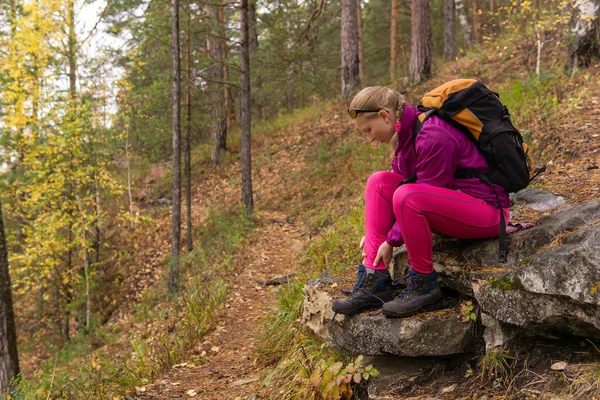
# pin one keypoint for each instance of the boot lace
(359, 289)
(413, 283)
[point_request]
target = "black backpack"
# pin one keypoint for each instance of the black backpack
(476, 111)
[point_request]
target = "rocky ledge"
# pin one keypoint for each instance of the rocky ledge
(549, 287)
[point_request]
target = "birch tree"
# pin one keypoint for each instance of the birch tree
(464, 23)
(586, 34)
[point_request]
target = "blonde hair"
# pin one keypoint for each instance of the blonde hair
(377, 97)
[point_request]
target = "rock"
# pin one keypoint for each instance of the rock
(555, 291)
(559, 366)
(537, 199)
(495, 333)
(439, 334)
(525, 243)
(317, 312)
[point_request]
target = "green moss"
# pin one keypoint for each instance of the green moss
(501, 284)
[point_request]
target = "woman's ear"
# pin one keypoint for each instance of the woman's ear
(385, 115)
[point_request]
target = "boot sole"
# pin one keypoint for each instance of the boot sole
(356, 310)
(435, 305)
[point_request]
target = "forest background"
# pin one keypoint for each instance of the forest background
(86, 137)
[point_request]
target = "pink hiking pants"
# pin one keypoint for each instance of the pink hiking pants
(420, 209)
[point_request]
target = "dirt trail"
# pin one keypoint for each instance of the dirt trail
(222, 366)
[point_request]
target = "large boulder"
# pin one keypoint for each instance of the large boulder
(556, 290)
(437, 333)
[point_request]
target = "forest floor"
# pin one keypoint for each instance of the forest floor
(224, 364)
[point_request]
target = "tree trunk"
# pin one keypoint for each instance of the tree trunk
(227, 89)
(257, 82)
(449, 31)
(9, 358)
(476, 23)
(586, 33)
(464, 23)
(350, 59)
(188, 135)
(128, 172)
(420, 50)
(216, 77)
(394, 43)
(176, 125)
(72, 44)
(245, 106)
(361, 47)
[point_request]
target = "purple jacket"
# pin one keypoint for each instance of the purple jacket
(440, 150)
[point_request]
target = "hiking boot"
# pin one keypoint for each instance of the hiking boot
(361, 275)
(370, 292)
(421, 294)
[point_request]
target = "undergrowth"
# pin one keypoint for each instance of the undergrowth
(165, 332)
(115, 359)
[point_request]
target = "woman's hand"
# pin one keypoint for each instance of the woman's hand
(362, 246)
(384, 253)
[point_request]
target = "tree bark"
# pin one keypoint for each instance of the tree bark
(188, 134)
(476, 23)
(9, 358)
(586, 33)
(216, 75)
(464, 23)
(420, 51)
(246, 108)
(394, 43)
(176, 125)
(361, 47)
(350, 58)
(449, 31)
(227, 89)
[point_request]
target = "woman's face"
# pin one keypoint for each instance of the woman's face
(378, 127)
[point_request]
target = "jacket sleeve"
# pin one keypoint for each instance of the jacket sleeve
(437, 156)
(394, 237)
(395, 167)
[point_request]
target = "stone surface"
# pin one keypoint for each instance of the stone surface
(537, 199)
(496, 333)
(438, 334)
(317, 312)
(556, 291)
(441, 333)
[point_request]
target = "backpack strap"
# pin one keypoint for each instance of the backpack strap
(421, 118)
(502, 245)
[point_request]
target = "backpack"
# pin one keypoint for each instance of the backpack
(476, 111)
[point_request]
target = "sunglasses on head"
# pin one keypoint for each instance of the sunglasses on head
(353, 112)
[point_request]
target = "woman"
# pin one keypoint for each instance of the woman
(398, 212)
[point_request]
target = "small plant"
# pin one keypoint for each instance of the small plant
(468, 312)
(335, 381)
(495, 365)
